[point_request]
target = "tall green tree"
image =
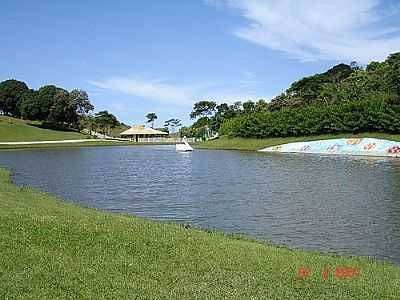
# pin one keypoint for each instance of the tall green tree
(46, 100)
(393, 77)
(172, 124)
(314, 89)
(82, 107)
(223, 113)
(249, 107)
(30, 106)
(262, 106)
(82, 102)
(151, 117)
(11, 94)
(63, 111)
(355, 87)
(105, 121)
(203, 109)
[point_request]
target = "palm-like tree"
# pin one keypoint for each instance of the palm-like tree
(151, 117)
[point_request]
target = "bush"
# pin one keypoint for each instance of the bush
(377, 113)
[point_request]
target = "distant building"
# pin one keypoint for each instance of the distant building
(140, 131)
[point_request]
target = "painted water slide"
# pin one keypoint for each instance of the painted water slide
(353, 146)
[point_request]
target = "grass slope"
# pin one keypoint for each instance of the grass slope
(53, 250)
(252, 144)
(15, 130)
(94, 143)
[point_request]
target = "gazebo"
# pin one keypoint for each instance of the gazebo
(140, 131)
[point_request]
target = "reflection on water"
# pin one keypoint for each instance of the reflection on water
(345, 205)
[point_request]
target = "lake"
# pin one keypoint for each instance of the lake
(344, 205)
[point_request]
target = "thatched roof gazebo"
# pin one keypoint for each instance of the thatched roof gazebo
(140, 131)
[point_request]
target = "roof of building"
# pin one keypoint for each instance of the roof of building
(141, 129)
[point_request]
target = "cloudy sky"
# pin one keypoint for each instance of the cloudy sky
(135, 57)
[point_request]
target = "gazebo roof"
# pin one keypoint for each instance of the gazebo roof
(141, 129)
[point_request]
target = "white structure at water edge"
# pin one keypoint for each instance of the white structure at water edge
(138, 132)
(353, 146)
(184, 146)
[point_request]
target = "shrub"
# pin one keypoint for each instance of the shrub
(377, 113)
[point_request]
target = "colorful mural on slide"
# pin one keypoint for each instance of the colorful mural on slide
(354, 146)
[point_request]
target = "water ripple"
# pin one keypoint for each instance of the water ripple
(337, 204)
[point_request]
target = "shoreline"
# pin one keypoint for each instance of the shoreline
(89, 143)
(254, 144)
(40, 231)
(222, 143)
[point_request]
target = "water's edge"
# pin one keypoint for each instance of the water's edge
(236, 236)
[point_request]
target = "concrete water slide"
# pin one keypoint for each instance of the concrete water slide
(353, 146)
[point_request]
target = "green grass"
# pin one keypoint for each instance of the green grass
(93, 143)
(50, 249)
(252, 144)
(15, 130)
(117, 130)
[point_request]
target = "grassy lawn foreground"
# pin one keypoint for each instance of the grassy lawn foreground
(251, 144)
(54, 250)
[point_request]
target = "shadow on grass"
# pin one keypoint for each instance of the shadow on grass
(53, 127)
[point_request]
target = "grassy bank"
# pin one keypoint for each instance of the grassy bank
(54, 250)
(16, 130)
(93, 143)
(256, 144)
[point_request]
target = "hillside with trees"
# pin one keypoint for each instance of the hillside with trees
(52, 105)
(346, 98)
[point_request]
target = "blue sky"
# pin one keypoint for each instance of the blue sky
(135, 57)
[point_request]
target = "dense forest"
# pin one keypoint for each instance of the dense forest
(346, 98)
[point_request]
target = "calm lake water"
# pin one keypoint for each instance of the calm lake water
(344, 205)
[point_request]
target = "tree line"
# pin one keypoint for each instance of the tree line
(372, 114)
(346, 98)
(58, 108)
(54, 106)
(51, 104)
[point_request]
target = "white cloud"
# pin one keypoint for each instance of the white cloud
(163, 92)
(311, 30)
(149, 89)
